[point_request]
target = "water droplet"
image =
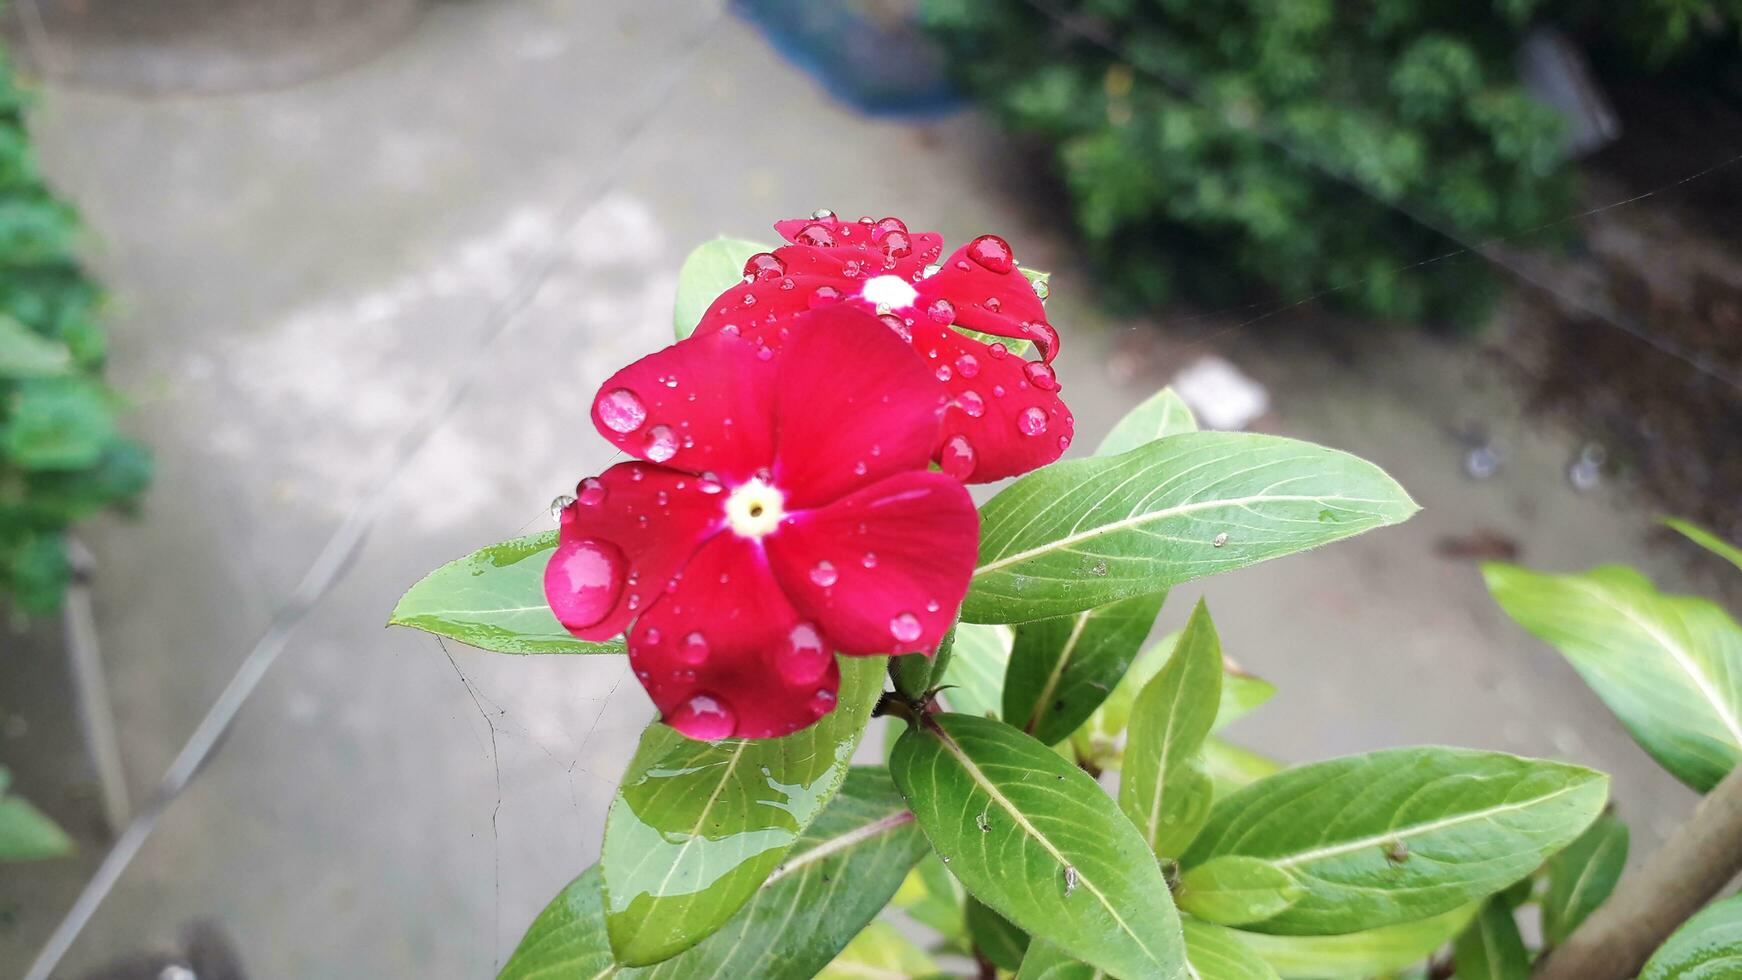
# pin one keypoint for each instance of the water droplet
(705, 717)
(957, 458)
(822, 702)
(763, 353)
(748, 299)
(1041, 375)
(1070, 880)
(709, 484)
(998, 351)
(764, 265)
(971, 404)
(942, 312)
(560, 504)
(897, 245)
(1045, 337)
(591, 492)
(694, 650)
(1219, 540)
(1032, 421)
(804, 660)
(992, 253)
(896, 324)
(583, 580)
(621, 410)
(944, 373)
(905, 628)
(824, 574)
(869, 560)
(823, 297)
(661, 443)
(822, 214)
(651, 636)
(816, 236)
(888, 226)
(967, 365)
(1041, 289)
(992, 304)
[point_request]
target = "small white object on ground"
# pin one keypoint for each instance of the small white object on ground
(1219, 394)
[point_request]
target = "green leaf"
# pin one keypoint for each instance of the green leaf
(1707, 540)
(974, 677)
(493, 599)
(834, 881)
(1039, 280)
(1085, 532)
(1706, 947)
(25, 834)
(27, 354)
(1163, 414)
(1061, 669)
(880, 951)
(1582, 876)
(1670, 667)
(1235, 890)
(1491, 948)
(995, 937)
(1401, 834)
(1233, 768)
(1359, 954)
(697, 826)
(1163, 785)
(1044, 961)
(714, 267)
(1216, 953)
(55, 424)
(933, 898)
(1036, 839)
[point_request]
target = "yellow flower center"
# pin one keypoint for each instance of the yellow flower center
(754, 509)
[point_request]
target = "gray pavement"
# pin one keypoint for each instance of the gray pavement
(300, 274)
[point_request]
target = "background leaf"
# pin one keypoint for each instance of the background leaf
(1233, 890)
(1367, 953)
(26, 354)
(993, 935)
(1036, 839)
(878, 951)
(1216, 953)
(493, 599)
(1401, 834)
(1163, 785)
(697, 826)
(975, 674)
(1707, 540)
(1706, 947)
(1232, 768)
(711, 269)
(1582, 876)
(1044, 961)
(1490, 948)
(1670, 667)
(1061, 669)
(25, 834)
(1085, 532)
(933, 898)
(1161, 415)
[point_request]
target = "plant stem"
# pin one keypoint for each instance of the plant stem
(1694, 864)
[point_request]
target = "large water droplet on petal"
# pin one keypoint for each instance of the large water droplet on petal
(694, 650)
(1041, 375)
(661, 443)
(704, 716)
(822, 214)
(971, 403)
(816, 235)
(560, 504)
(997, 351)
(944, 373)
(764, 265)
(993, 253)
(897, 245)
(621, 410)
(822, 702)
(886, 227)
(591, 492)
(824, 574)
(583, 580)
(905, 628)
(958, 457)
(967, 365)
(805, 659)
(1032, 421)
(942, 312)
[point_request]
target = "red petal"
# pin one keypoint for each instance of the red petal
(854, 406)
(628, 532)
(724, 653)
(701, 405)
(1000, 303)
(1020, 426)
(903, 256)
(884, 569)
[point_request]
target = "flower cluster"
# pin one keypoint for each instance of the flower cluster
(783, 507)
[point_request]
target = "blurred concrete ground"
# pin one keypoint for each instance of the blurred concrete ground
(298, 276)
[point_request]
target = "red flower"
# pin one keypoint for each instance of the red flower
(1005, 416)
(785, 512)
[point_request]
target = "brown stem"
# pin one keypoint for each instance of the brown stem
(986, 971)
(1694, 864)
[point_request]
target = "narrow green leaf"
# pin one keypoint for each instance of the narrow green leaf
(1582, 876)
(1708, 540)
(1232, 768)
(1036, 839)
(1044, 961)
(1401, 834)
(995, 937)
(1163, 414)
(714, 267)
(26, 354)
(974, 677)
(1163, 785)
(834, 881)
(1670, 667)
(932, 897)
(1491, 948)
(1234, 891)
(880, 952)
(1216, 953)
(1085, 532)
(25, 834)
(1061, 669)
(493, 599)
(1706, 947)
(697, 826)
(1359, 954)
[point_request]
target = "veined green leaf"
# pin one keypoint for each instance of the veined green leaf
(26, 354)
(493, 599)
(974, 677)
(1401, 834)
(1359, 954)
(1582, 876)
(880, 952)
(1061, 669)
(1670, 667)
(1232, 768)
(697, 826)
(1216, 953)
(1163, 784)
(1036, 839)
(1083, 533)
(714, 267)
(25, 834)
(1233, 890)
(1490, 948)
(995, 937)
(933, 898)
(1044, 961)
(1163, 414)
(1706, 947)
(834, 881)
(1707, 539)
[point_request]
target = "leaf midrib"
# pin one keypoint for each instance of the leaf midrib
(1058, 670)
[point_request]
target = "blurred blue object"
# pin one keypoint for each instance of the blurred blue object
(870, 54)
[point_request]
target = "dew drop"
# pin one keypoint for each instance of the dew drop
(705, 717)
(897, 245)
(887, 227)
(998, 351)
(1041, 375)
(583, 581)
(870, 560)
(661, 443)
(823, 296)
(967, 365)
(992, 304)
(992, 253)
(764, 265)
(971, 403)
(1041, 289)
(822, 702)
(694, 650)
(804, 660)
(621, 410)
(1032, 421)
(905, 628)
(822, 214)
(815, 235)
(560, 504)
(591, 492)
(709, 484)
(651, 636)
(748, 299)
(944, 373)
(824, 574)
(942, 312)
(1219, 540)
(957, 458)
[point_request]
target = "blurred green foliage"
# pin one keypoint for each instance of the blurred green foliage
(1237, 150)
(61, 456)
